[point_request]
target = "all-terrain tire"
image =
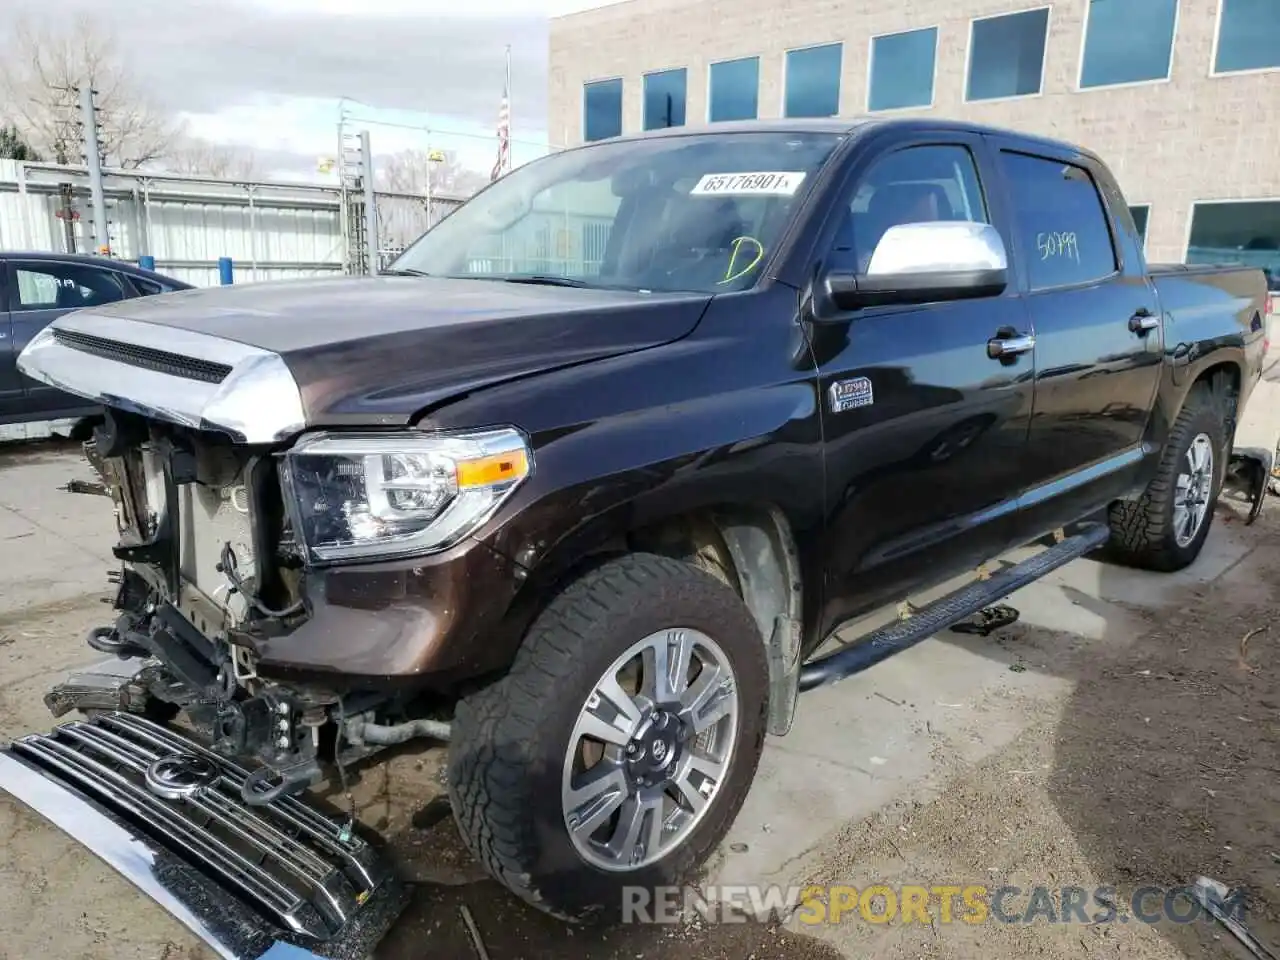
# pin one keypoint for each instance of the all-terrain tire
(509, 740)
(1142, 530)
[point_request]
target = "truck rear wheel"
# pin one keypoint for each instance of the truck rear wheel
(620, 746)
(1165, 528)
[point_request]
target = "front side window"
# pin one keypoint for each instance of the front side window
(699, 213)
(1006, 55)
(735, 90)
(1127, 42)
(813, 81)
(922, 184)
(902, 68)
(1060, 223)
(1248, 36)
(601, 110)
(664, 99)
(1247, 233)
(64, 286)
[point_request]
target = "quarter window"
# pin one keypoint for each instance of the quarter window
(922, 184)
(735, 90)
(1006, 55)
(813, 81)
(902, 68)
(1127, 42)
(1060, 222)
(601, 110)
(1248, 36)
(64, 286)
(1140, 213)
(664, 99)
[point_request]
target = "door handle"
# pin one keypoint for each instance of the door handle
(1143, 321)
(1001, 347)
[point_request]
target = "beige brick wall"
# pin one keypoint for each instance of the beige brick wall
(1192, 137)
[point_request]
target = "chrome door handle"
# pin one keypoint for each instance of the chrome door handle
(1143, 320)
(1010, 346)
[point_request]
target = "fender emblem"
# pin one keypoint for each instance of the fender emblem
(848, 394)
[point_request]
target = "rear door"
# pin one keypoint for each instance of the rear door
(40, 291)
(1098, 333)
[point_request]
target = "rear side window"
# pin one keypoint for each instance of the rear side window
(1060, 223)
(63, 286)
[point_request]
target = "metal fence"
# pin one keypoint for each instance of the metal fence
(271, 230)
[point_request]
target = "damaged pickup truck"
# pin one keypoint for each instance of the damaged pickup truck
(587, 484)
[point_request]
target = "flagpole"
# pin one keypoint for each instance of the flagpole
(509, 137)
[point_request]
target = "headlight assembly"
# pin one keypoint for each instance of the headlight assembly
(373, 497)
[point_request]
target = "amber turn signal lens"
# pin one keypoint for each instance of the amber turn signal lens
(499, 468)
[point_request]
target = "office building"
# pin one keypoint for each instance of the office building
(1180, 97)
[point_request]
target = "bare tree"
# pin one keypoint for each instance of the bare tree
(191, 155)
(40, 67)
(408, 172)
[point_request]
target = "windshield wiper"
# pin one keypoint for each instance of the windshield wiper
(403, 272)
(546, 281)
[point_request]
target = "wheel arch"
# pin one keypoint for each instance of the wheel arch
(751, 547)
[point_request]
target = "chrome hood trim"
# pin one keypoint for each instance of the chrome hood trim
(257, 402)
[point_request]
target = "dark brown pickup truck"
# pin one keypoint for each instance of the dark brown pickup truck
(584, 486)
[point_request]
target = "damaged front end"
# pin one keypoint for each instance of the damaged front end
(212, 820)
(207, 573)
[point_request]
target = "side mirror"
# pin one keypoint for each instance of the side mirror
(925, 263)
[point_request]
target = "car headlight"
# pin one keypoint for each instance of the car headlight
(377, 497)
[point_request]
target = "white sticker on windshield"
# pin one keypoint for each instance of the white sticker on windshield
(775, 183)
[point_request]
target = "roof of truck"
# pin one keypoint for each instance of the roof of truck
(845, 125)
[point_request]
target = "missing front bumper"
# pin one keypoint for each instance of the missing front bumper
(252, 882)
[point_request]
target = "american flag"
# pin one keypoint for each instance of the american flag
(504, 133)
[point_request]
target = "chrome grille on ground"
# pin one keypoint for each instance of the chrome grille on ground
(284, 859)
(148, 358)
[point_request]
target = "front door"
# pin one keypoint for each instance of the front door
(1098, 335)
(925, 433)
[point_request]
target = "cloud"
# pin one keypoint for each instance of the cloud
(205, 57)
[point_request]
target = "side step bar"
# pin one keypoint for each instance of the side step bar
(881, 644)
(252, 882)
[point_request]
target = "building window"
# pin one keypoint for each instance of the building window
(1141, 213)
(1006, 55)
(1248, 36)
(664, 97)
(601, 109)
(735, 90)
(1247, 233)
(813, 81)
(1127, 42)
(902, 68)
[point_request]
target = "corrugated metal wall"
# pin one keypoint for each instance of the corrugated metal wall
(272, 231)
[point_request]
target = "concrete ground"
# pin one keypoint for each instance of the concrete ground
(1119, 734)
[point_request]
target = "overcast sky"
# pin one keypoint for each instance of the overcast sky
(270, 73)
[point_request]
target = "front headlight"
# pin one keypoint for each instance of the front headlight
(375, 497)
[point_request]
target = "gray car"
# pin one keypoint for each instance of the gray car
(36, 289)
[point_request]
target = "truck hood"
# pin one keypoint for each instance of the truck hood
(371, 351)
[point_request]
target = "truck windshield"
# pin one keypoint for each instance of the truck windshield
(699, 212)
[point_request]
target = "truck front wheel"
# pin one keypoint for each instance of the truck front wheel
(619, 748)
(1165, 528)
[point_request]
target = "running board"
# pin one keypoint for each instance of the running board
(881, 644)
(280, 880)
